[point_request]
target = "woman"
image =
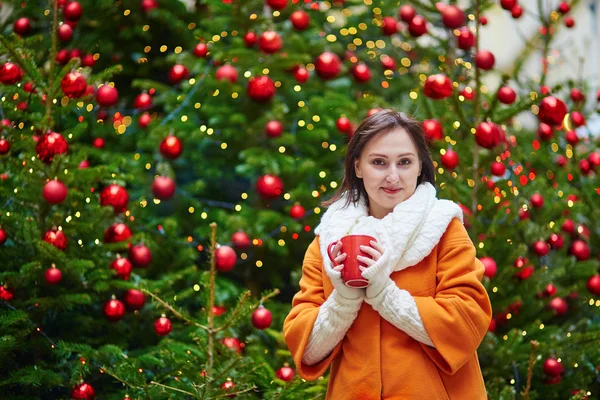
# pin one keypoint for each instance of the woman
(413, 332)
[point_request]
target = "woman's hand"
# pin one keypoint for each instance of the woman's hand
(339, 257)
(379, 280)
(337, 281)
(376, 251)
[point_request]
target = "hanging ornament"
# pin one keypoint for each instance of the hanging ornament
(178, 73)
(234, 344)
(163, 326)
(568, 226)
(72, 11)
(227, 72)
(4, 146)
(227, 386)
(6, 294)
(564, 7)
(53, 275)
(171, 147)
(328, 65)
(163, 187)
(516, 11)
(123, 267)
(218, 310)
(140, 255)
(301, 75)
(149, 5)
(577, 95)
(117, 232)
(269, 186)
(572, 138)
(83, 391)
(107, 96)
(225, 258)
(115, 196)
(593, 285)
(285, 374)
(569, 22)
(484, 59)
(73, 85)
(550, 290)
(98, 143)
(438, 86)
(134, 299)
(465, 39)
(388, 63)
(65, 32)
(142, 101)
(487, 135)
(56, 238)
(453, 17)
(580, 250)
(558, 306)
(508, 4)
(343, 125)
(261, 88)
(55, 192)
(262, 318)
(3, 236)
(525, 272)
(498, 168)
(114, 310)
(552, 111)
(541, 248)
(274, 128)
(10, 73)
(250, 39)
(537, 200)
(545, 132)
(145, 120)
(449, 159)
(594, 159)
(389, 26)
(506, 95)
(556, 241)
(277, 4)
(300, 20)
(240, 240)
(406, 13)
(270, 42)
(577, 118)
(201, 50)
(297, 211)
(22, 26)
(361, 72)
(417, 26)
(490, 266)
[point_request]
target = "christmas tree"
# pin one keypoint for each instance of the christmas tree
(163, 165)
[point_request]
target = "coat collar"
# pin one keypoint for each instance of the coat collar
(408, 233)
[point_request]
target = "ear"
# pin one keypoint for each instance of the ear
(357, 168)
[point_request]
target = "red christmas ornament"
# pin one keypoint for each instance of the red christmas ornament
(328, 65)
(201, 50)
(577, 95)
(493, 325)
(107, 96)
(585, 167)
(83, 391)
(490, 266)
(537, 200)
(438, 86)
(301, 75)
(498, 168)
(507, 95)
(525, 273)
(225, 258)
(261, 88)
(541, 248)
(218, 310)
(277, 4)
(577, 118)
(485, 60)
(134, 299)
(559, 307)
(10, 73)
(553, 367)
(594, 159)
(593, 285)
(406, 13)
(49, 145)
(390, 26)
(580, 250)
(388, 62)
(274, 128)
(545, 132)
(269, 186)
(145, 120)
(417, 26)
(3, 236)
(234, 344)
(550, 290)
(123, 267)
(114, 310)
(148, 5)
(163, 326)
(361, 72)
(140, 255)
(171, 147)
(568, 226)
(465, 38)
(564, 7)
(285, 374)
(98, 143)
(6, 294)
(556, 241)
(142, 101)
(115, 196)
(178, 73)
(250, 39)
(516, 11)
(343, 125)
(53, 276)
(449, 159)
(508, 4)
(55, 192)
(4, 146)
(569, 22)
(270, 42)
(487, 135)
(73, 85)
(73, 11)
(297, 211)
(227, 72)
(65, 32)
(552, 111)
(117, 232)
(22, 26)
(62, 56)
(163, 187)
(56, 238)
(262, 318)
(240, 240)
(228, 385)
(453, 17)
(300, 20)
(572, 138)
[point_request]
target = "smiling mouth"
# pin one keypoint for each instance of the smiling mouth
(389, 191)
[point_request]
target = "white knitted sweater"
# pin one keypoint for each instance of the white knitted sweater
(408, 234)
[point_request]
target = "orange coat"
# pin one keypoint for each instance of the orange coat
(376, 360)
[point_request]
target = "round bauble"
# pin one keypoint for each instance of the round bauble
(274, 128)
(572, 138)
(541, 248)
(485, 60)
(506, 95)
(593, 285)
(227, 72)
(250, 39)
(580, 250)
(123, 268)
(516, 11)
(240, 240)
(163, 326)
(417, 26)
(178, 73)
(277, 4)
(269, 186)
(556, 241)
(388, 62)
(226, 258)
(577, 118)
(72, 11)
(545, 132)
(262, 318)
(361, 73)
(552, 111)
(115, 196)
(83, 391)
(56, 238)
(343, 125)
(449, 159)
(163, 187)
(465, 38)
(4, 146)
(117, 232)
(114, 310)
(3, 236)
(22, 26)
(297, 211)
(142, 101)
(55, 192)
(300, 20)
(73, 85)
(301, 75)
(490, 266)
(453, 17)
(537, 200)
(65, 32)
(140, 255)
(261, 89)
(201, 50)
(148, 5)
(389, 26)
(270, 42)
(52, 276)
(107, 96)
(406, 13)
(487, 135)
(569, 22)
(145, 120)
(577, 95)
(553, 367)
(233, 344)
(134, 299)
(171, 147)
(6, 294)
(438, 86)
(328, 65)
(558, 306)
(498, 168)
(10, 73)
(285, 374)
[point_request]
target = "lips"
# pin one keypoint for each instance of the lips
(391, 191)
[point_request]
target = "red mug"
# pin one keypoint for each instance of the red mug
(351, 274)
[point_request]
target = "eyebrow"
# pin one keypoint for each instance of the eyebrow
(384, 156)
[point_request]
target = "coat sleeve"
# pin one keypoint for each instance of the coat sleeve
(459, 315)
(299, 323)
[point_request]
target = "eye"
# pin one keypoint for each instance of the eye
(377, 160)
(405, 161)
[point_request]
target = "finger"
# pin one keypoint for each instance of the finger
(339, 268)
(337, 248)
(377, 245)
(366, 260)
(362, 269)
(369, 250)
(341, 258)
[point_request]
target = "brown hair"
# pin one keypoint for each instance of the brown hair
(380, 122)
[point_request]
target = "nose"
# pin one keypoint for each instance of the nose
(393, 174)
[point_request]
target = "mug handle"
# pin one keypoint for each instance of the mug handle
(329, 249)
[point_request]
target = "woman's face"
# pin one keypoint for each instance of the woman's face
(389, 167)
